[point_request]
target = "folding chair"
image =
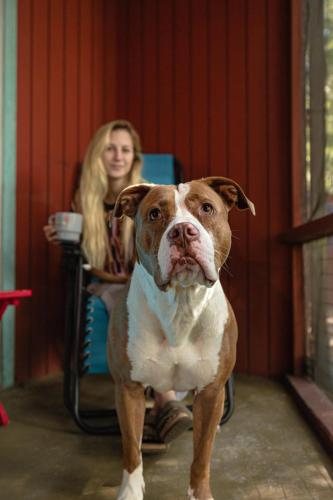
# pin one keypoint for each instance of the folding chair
(87, 322)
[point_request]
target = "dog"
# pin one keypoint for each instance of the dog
(174, 329)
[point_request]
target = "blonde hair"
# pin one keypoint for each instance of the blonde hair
(93, 191)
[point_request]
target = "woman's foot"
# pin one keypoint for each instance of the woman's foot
(173, 420)
(165, 425)
(152, 443)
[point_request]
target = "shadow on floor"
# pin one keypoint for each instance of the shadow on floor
(266, 451)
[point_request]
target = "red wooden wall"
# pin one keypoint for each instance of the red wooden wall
(207, 80)
(61, 89)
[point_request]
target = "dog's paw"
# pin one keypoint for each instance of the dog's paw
(190, 495)
(132, 486)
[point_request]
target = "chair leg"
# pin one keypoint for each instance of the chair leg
(72, 356)
(229, 400)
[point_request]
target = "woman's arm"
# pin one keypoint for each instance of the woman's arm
(108, 277)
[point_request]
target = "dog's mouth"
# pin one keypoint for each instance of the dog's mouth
(183, 263)
(187, 270)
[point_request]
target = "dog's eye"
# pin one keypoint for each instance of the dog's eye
(154, 214)
(207, 208)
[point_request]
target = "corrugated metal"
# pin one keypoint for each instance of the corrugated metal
(207, 80)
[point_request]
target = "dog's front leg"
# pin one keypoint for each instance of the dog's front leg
(207, 413)
(130, 404)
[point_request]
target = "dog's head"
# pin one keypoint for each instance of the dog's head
(182, 232)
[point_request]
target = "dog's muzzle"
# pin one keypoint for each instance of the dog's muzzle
(186, 255)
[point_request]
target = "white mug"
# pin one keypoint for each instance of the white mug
(68, 226)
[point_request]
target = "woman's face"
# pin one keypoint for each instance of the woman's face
(118, 155)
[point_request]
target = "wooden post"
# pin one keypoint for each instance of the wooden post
(297, 129)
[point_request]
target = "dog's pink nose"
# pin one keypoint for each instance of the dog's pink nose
(182, 233)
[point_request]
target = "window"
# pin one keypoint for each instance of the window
(318, 188)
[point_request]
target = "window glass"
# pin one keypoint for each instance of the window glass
(318, 189)
(318, 103)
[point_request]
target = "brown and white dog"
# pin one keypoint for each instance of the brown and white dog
(174, 328)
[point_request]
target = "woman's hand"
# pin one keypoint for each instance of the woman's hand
(51, 234)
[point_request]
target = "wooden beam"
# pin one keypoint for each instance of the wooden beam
(310, 231)
(316, 407)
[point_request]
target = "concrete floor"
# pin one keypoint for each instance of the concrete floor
(266, 451)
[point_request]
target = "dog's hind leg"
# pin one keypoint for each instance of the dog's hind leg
(207, 413)
(130, 404)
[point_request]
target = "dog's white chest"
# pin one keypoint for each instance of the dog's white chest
(164, 367)
(171, 346)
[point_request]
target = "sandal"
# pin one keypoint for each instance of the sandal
(152, 443)
(172, 420)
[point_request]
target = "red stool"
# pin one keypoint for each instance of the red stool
(10, 298)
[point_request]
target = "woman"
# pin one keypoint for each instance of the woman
(113, 162)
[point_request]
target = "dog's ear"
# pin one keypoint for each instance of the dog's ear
(231, 192)
(129, 199)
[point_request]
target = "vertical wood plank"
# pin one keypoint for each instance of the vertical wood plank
(218, 145)
(134, 61)
(199, 91)
(149, 127)
(258, 189)
(182, 120)
(218, 108)
(237, 169)
(105, 62)
(23, 185)
(280, 341)
(166, 77)
(71, 76)
(297, 112)
(123, 66)
(39, 184)
(55, 306)
(86, 78)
